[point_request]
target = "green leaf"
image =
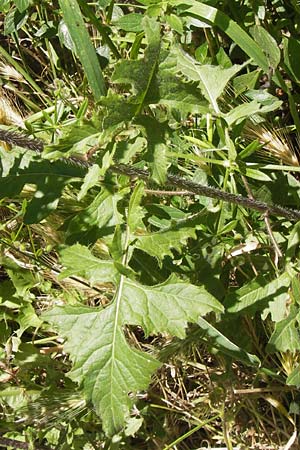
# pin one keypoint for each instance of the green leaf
(27, 318)
(130, 22)
(212, 79)
(78, 260)
(246, 110)
(175, 23)
(141, 73)
(294, 377)
(291, 49)
(14, 20)
(257, 174)
(84, 47)
(157, 149)
(285, 336)
(162, 243)
(259, 294)
(77, 139)
(293, 242)
(22, 4)
(166, 307)
(268, 44)
(106, 366)
(246, 81)
(135, 211)
(49, 178)
(214, 17)
(91, 222)
(222, 343)
(7, 294)
(91, 179)
(173, 92)
(118, 109)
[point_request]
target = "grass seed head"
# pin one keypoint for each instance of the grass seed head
(276, 142)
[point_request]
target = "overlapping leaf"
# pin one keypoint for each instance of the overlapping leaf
(103, 362)
(261, 295)
(49, 179)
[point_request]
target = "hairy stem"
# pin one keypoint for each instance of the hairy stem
(21, 140)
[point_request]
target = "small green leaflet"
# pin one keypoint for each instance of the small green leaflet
(103, 363)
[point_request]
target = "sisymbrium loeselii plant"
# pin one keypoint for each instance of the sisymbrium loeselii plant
(149, 202)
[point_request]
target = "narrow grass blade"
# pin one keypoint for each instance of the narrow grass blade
(35, 87)
(103, 30)
(84, 47)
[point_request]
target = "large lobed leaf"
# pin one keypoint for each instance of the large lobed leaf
(103, 363)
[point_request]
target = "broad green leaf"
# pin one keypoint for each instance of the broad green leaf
(293, 242)
(8, 298)
(102, 214)
(161, 243)
(84, 47)
(184, 97)
(166, 307)
(173, 92)
(78, 260)
(14, 20)
(259, 294)
(64, 36)
(268, 101)
(268, 45)
(222, 343)
(157, 149)
(106, 366)
(27, 318)
(213, 16)
(212, 79)
(22, 279)
(296, 289)
(118, 109)
(286, 335)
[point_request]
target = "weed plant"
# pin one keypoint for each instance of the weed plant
(136, 314)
